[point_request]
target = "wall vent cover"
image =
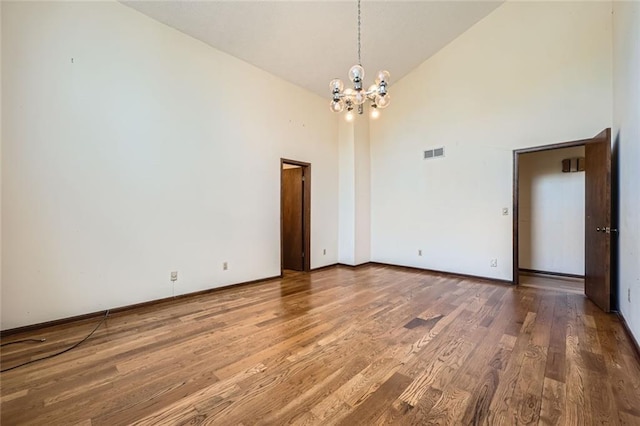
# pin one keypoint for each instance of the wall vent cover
(434, 153)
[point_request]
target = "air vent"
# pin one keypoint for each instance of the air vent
(434, 153)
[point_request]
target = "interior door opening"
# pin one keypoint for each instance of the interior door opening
(598, 227)
(295, 220)
(551, 217)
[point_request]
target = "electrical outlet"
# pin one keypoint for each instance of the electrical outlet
(324, 252)
(225, 266)
(174, 276)
(419, 252)
(629, 295)
(494, 263)
(505, 211)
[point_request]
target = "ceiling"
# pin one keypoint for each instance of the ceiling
(311, 42)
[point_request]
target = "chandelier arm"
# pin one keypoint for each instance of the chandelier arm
(343, 95)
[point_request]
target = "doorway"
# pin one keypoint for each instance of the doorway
(551, 217)
(598, 229)
(295, 216)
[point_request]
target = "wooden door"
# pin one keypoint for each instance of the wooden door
(292, 219)
(597, 277)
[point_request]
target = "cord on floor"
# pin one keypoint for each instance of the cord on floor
(106, 314)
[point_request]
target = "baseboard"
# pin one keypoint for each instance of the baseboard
(634, 342)
(446, 273)
(344, 265)
(39, 326)
(416, 269)
(360, 265)
(321, 268)
(556, 274)
(47, 324)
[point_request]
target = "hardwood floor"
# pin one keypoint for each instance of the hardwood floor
(550, 282)
(372, 345)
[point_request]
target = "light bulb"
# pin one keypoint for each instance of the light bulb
(337, 106)
(349, 116)
(383, 101)
(375, 113)
(382, 77)
(336, 84)
(356, 73)
(359, 97)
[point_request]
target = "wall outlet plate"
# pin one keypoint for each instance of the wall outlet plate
(225, 266)
(505, 211)
(494, 263)
(174, 276)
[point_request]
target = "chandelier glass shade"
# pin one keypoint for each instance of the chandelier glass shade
(350, 98)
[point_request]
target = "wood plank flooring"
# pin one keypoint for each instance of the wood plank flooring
(371, 345)
(550, 282)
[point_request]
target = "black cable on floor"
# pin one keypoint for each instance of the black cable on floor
(106, 314)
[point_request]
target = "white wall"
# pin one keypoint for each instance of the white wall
(528, 74)
(626, 134)
(362, 159)
(355, 191)
(1, 154)
(149, 152)
(551, 212)
(347, 192)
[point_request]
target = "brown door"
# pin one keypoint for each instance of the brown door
(597, 276)
(292, 223)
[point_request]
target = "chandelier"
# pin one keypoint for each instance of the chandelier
(351, 98)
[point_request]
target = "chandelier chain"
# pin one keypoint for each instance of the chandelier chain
(359, 59)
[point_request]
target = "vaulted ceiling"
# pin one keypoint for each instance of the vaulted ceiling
(311, 42)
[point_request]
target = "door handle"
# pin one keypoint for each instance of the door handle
(607, 230)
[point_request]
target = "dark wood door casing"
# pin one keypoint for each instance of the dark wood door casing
(598, 192)
(306, 212)
(516, 192)
(598, 220)
(292, 219)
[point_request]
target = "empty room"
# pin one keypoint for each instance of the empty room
(320, 212)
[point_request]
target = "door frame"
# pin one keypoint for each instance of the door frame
(306, 213)
(516, 192)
